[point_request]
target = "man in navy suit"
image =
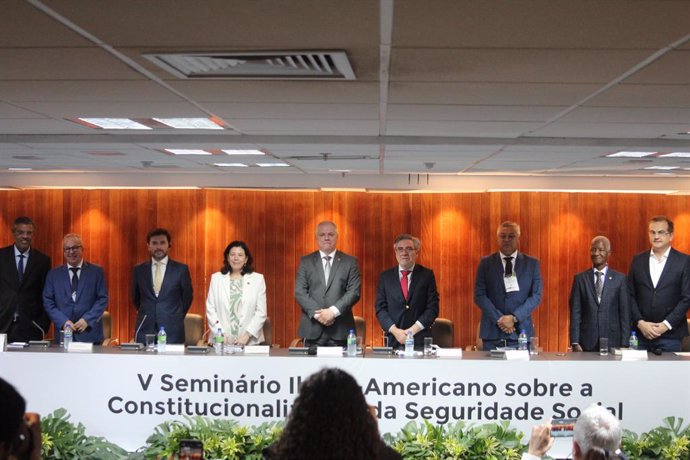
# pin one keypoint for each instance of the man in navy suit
(75, 294)
(507, 290)
(659, 284)
(406, 296)
(161, 290)
(327, 286)
(599, 302)
(23, 271)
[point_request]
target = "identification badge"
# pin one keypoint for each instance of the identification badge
(511, 284)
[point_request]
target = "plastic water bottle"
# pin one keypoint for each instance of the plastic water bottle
(633, 343)
(522, 340)
(68, 337)
(218, 341)
(162, 339)
(351, 343)
(409, 344)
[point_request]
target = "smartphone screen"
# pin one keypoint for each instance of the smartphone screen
(191, 449)
(563, 427)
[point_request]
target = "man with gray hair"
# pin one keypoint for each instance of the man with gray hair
(507, 289)
(599, 302)
(597, 435)
(406, 295)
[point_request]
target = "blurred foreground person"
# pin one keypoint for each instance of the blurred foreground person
(330, 420)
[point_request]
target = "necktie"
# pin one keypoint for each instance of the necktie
(509, 266)
(75, 278)
(327, 267)
(157, 278)
(598, 285)
(20, 267)
(404, 281)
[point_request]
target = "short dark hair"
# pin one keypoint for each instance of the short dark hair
(248, 266)
(158, 232)
(406, 236)
(23, 220)
(668, 221)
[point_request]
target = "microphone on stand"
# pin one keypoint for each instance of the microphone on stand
(39, 343)
(134, 345)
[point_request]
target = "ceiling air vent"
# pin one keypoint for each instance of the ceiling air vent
(279, 65)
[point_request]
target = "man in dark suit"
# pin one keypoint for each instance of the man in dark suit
(75, 294)
(406, 296)
(327, 286)
(599, 302)
(23, 272)
(659, 285)
(507, 290)
(161, 290)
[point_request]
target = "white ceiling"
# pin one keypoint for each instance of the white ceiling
(475, 94)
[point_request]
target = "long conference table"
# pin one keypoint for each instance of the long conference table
(123, 395)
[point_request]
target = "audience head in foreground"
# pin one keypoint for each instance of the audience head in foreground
(20, 433)
(330, 420)
(596, 436)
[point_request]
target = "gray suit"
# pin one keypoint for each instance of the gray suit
(313, 293)
(591, 318)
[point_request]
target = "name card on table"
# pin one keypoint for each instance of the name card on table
(633, 355)
(449, 352)
(516, 355)
(80, 347)
(257, 350)
(174, 349)
(329, 351)
(3, 342)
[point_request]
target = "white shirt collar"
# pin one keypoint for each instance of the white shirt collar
(323, 254)
(163, 261)
(664, 255)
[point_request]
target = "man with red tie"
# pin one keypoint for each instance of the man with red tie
(406, 296)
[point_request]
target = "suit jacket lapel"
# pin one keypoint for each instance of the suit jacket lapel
(668, 266)
(498, 270)
(148, 277)
(413, 284)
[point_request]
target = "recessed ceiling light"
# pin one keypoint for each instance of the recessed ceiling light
(630, 154)
(114, 123)
(676, 155)
(269, 165)
(231, 165)
(188, 152)
(189, 123)
(243, 152)
(19, 169)
(665, 168)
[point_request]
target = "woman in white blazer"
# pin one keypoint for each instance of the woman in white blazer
(236, 299)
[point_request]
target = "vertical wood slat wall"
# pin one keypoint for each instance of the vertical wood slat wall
(456, 231)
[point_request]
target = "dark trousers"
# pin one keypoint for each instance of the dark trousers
(662, 343)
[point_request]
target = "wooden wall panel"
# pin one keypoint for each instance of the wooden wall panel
(456, 231)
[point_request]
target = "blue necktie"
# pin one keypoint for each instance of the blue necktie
(20, 267)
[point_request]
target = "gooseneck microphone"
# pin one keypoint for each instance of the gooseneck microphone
(39, 343)
(135, 345)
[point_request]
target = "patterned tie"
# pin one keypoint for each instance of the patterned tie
(509, 266)
(327, 267)
(404, 282)
(598, 285)
(75, 278)
(157, 279)
(20, 267)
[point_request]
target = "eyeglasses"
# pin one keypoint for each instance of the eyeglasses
(659, 233)
(71, 248)
(404, 250)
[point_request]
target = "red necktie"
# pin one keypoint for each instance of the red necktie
(404, 282)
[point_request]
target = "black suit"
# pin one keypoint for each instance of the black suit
(670, 299)
(25, 298)
(171, 305)
(591, 318)
(421, 303)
